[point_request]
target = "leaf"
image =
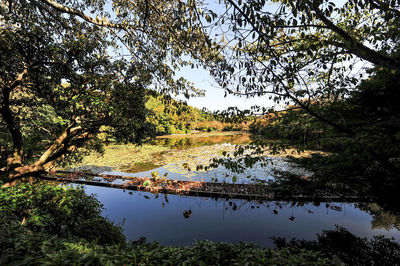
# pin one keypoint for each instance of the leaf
(187, 214)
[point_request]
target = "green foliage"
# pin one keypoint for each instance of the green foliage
(334, 66)
(57, 210)
(371, 116)
(169, 116)
(305, 51)
(350, 249)
(41, 249)
(64, 70)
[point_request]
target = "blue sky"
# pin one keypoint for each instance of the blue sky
(214, 95)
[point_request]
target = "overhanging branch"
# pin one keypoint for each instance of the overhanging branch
(355, 47)
(99, 22)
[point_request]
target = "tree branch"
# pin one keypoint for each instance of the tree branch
(378, 5)
(355, 47)
(58, 143)
(82, 15)
(12, 125)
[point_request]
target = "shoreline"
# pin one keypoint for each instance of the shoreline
(200, 134)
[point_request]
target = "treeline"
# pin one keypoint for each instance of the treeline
(293, 126)
(361, 133)
(368, 118)
(169, 116)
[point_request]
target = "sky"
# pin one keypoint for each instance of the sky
(214, 95)
(214, 98)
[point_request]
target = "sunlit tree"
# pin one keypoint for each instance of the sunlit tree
(70, 67)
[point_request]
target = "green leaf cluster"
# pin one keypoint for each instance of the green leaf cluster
(57, 210)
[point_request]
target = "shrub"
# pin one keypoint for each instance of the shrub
(19, 246)
(58, 210)
(349, 248)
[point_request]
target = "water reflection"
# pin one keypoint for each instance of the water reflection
(180, 220)
(184, 142)
(187, 159)
(257, 173)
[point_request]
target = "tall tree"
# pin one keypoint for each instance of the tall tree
(69, 67)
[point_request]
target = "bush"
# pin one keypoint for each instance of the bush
(19, 246)
(349, 248)
(58, 210)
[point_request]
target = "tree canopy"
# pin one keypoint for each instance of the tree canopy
(315, 56)
(70, 67)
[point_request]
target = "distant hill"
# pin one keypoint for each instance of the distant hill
(171, 116)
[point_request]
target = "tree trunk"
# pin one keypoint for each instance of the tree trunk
(23, 173)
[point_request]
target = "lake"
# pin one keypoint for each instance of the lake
(181, 220)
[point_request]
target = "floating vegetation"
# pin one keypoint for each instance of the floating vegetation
(157, 184)
(191, 161)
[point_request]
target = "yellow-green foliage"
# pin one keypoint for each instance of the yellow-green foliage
(169, 116)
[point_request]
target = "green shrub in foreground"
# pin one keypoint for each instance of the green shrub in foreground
(351, 249)
(57, 210)
(22, 247)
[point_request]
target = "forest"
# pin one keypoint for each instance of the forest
(90, 87)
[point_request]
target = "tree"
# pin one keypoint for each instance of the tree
(313, 54)
(69, 68)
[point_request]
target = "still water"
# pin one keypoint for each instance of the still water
(181, 220)
(184, 154)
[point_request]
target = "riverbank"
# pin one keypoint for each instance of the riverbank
(43, 224)
(201, 134)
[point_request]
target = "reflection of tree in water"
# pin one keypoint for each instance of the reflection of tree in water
(183, 143)
(381, 218)
(238, 205)
(346, 248)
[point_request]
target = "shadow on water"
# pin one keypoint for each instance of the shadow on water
(181, 220)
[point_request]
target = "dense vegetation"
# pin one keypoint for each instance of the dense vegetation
(303, 53)
(71, 68)
(169, 116)
(348, 248)
(333, 65)
(367, 156)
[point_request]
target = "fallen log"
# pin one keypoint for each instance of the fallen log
(254, 192)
